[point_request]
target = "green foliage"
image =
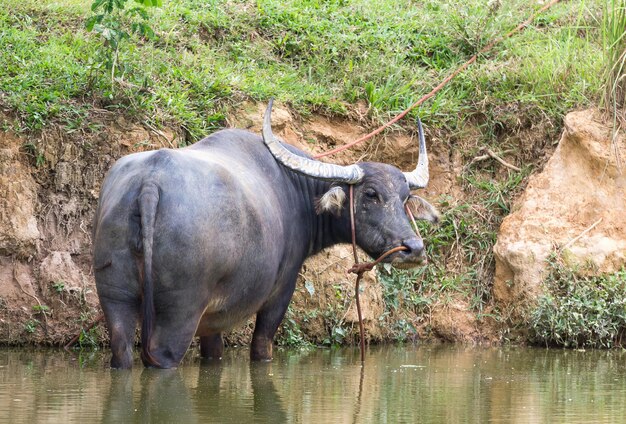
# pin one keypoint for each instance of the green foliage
(38, 157)
(336, 331)
(474, 25)
(115, 25)
(88, 340)
(59, 287)
(41, 309)
(291, 334)
(579, 310)
(30, 326)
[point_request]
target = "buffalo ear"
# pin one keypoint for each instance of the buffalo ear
(423, 210)
(332, 201)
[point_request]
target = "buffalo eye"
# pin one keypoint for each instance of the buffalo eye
(370, 193)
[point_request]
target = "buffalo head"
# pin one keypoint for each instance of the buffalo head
(382, 195)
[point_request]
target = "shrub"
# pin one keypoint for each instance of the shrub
(580, 310)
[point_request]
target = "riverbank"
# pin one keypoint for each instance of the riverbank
(338, 70)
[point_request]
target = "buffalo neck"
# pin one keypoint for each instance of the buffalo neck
(318, 230)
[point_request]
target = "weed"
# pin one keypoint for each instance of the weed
(291, 334)
(30, 326)
(88, 339)
(58, 287)
(36, 156)
(614, 46)
(336, 331)
(114, 31)
(41, 309)
(473, 25)
(496, 195)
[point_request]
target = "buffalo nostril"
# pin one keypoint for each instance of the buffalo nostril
(415, 246)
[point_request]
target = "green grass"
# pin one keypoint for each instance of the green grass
(614, 47)
(315, 55)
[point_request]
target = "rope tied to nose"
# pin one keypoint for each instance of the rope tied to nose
(361, 268)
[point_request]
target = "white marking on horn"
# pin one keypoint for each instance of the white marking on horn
(418, 178)
(350, 174)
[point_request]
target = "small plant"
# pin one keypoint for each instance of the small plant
(473, 25)
(336, 336)
(614, 46)
(291, 334)
(59, 287)
(30, 326)
(33, 152)
(88, 339)
(41, 309)
(115, 25)
(334, 324)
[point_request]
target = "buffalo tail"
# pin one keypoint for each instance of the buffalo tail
(148, 201)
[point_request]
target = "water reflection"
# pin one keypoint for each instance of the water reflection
(411, 384)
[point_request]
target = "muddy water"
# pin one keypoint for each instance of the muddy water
(439, 384)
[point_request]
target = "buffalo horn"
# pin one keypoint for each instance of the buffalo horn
(351, 174)
(418, 178)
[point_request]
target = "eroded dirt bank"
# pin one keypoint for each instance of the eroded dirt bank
(49, 185)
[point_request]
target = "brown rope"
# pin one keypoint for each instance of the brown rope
(360, 268)
(359, 275)
(442, 84)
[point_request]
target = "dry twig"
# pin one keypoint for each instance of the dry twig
(575, 239)
(490, 154)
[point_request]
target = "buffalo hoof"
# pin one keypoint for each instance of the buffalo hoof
(261, 351)
(212, 347)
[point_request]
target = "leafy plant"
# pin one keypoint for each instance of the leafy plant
(33, 152)
(41, 309)
(473, 25)
(291, 334)
(58, 286)
(115, 25)
(336, 331)
(88, 339)
(30, 326)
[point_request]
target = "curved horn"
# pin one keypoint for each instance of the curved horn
(418, 178)
(325, 171)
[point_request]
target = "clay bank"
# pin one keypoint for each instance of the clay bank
(572, 209)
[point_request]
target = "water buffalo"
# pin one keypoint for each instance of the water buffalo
(193, 241)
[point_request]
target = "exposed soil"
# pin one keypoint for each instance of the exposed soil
(573, 210)
(49, 185)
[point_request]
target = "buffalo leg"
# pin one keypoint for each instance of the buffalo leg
(175, 325)
(121, 320)
(267, 321)
(212, 346)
